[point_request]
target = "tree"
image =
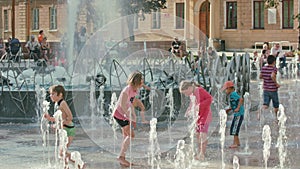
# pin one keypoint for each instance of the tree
(129, 8)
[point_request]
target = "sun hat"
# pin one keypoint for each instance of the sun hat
(227, 84)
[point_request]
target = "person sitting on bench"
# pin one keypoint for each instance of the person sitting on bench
(176, 47)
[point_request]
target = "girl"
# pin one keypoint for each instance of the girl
(203, 102)
(124, 113)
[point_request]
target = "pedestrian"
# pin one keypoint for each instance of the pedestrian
(236, 105)
(270, 86)
(203, 102)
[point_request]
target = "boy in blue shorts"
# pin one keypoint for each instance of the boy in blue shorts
(270, 86)
(236, 105)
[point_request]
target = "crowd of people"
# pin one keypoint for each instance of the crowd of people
(37, 48)
(275, 50)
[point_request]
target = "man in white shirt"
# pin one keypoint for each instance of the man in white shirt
(34, 48)
(277, 52)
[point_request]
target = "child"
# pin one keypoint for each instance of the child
(124, 113)
(57, 94)
(203, 102)
(268, 74)
(236, 104)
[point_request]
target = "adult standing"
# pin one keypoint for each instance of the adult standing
(41, 36)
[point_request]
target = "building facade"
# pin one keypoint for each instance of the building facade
(239, 23)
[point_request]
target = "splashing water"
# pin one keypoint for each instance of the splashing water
(45, 130)
(63, 141)
(92, 103)
(154, 149)
(170, 104)
(223, 119)
(112, 107)
(180, 155)
(41, 97)
(192, 115)
(235, 163)
(266, 137)
(260, 115)
(73, 8)
(76, 156)
(247, 106)
(282, 139)
(100, 109)
(151, 99)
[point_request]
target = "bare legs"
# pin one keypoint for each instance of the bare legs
(128, 134)
(202, 144)
(265, 107)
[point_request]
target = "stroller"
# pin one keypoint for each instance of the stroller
(15, 51)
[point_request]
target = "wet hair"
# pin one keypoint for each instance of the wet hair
(185, 84)
(271, 59)
(135, 79)
(59, 89)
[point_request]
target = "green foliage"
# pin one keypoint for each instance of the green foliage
(271, 3)
(128, 7)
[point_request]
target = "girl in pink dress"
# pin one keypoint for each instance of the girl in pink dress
(203, 101)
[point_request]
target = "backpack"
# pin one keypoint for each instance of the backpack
(15, 46)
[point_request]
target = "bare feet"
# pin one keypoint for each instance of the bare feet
(200, 157)
(123, 162)
(234, 146)
(145, 122)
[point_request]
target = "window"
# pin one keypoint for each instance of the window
(136, 21)
(231, 15)
(287, 14)
(6, 20)
(35, 19)
(258, 14)
(53, 18)
(179, 15)
(156, 19)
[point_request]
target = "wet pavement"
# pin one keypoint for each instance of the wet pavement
(22, 144)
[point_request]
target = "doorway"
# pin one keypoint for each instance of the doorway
(204, 18)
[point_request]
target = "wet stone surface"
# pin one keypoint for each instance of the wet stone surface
(22, 144)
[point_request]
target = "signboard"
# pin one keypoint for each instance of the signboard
(271, 15)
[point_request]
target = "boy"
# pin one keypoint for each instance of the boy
(236, 104)
(270, 86)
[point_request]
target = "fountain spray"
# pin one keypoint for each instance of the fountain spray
(170, 105)
(45, 130)
(235, 162)
(223, 120)
(247, 106)
(92, 103)
(180, 155)
(154, 150)
(266, 137)
(113, 123)
(282, 139)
